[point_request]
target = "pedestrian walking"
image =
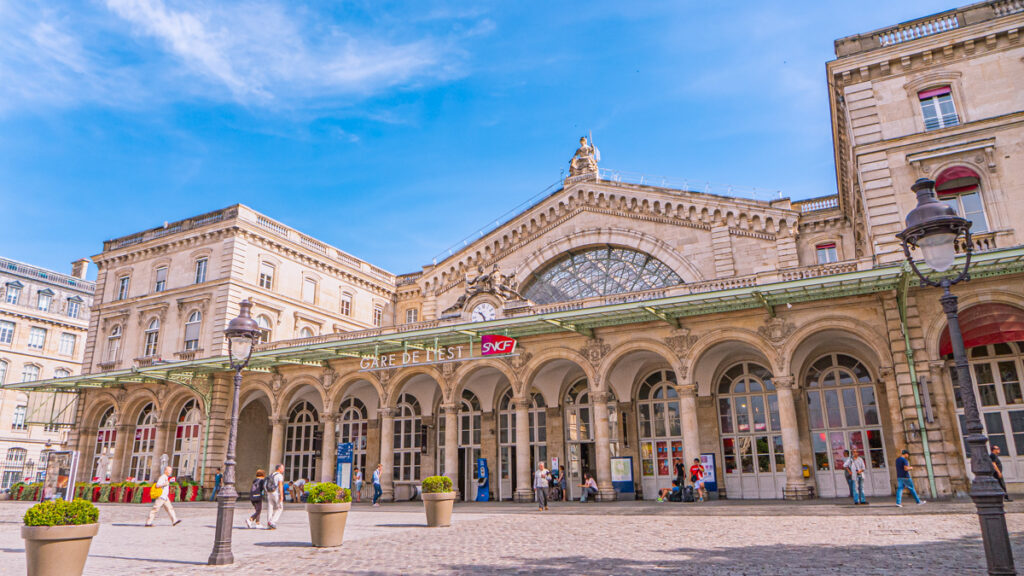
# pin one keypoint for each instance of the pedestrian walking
(217, 479)
(997, 471)
(589, 487)
(697, 478)
(540, 486)
(848, 473)
(162, 498)
(256, 497)
(275, 496)
(357, 481)
(376, 484)
(903, 479)
(857, 468)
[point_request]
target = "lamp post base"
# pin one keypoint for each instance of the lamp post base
(222, 538)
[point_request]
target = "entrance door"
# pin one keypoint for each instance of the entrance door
(581, 461)
(748, 416)
(661, 436)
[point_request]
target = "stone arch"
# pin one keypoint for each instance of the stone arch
(752, 341)
(933, 330)
(531, 370)
(867, 345)
(463, 373)
(136, 401)
(287, 394)
(633, 239)
(639, 345)
(399, 381)
(344, 384)
(174, 401)
(99, 401)
(251, 389)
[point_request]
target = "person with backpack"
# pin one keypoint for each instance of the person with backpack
(256, 497)
(697, 478)
(275, 496)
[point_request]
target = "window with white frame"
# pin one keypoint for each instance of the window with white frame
(36, 337)
(346, 304)
(144, 445)
(161, 279)
(309, 290)
(13, 293)
(826, 253)
(6, 332)
(411, 315)
(106, 440)
(266, 275)
(14, 467)
(201, 270)
(114, 344)
(938, 108)
(44, 300)
(29, 373)
(74, 307)
(960, 188)
(152, 338)
(378, 315)
(67, 344)
(187, 440)
(195, 322)
(18, 420)
(3, 371)
(122, 287)
(407, 439)
(265, 332)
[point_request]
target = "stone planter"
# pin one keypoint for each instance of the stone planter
(327, 523)
(57, 550)
(439, 508)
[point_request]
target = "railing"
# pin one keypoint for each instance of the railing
(816, 271)
(980, 242)
(816, 204)
(1007, 7)
(172, 228)
(915, 30)
(608, 175)
(189, 354)
(30, 271)
(146, 361)
(407, 279)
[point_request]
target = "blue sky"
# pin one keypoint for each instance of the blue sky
(393, 130)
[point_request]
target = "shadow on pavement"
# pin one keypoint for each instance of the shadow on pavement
(401, 525)
(164, 560)
(283, 544)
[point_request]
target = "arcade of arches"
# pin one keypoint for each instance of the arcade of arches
(775, 401)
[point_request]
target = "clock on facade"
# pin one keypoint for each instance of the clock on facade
(483, 312)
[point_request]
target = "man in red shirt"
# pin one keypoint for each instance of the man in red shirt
(697, 477)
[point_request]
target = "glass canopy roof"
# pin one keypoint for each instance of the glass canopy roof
(599, 271)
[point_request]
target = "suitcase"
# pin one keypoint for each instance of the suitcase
(687, 493)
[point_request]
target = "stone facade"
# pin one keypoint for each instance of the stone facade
(44, 317)
(652, 323)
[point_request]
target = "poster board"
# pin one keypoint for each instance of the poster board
(622, 475)
(343, 465)
(59, 481)
(483, 481)
(707, 460)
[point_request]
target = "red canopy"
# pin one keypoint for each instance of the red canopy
(956, 179)
(986, 324)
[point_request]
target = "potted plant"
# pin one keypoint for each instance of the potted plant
(327, 505)
(57, 536)
(438, 500)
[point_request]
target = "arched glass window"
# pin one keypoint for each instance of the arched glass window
(843, 414)
(299, 452)
(960, 188)
(106, 439)
(29, 373)
(507, 438)
(187, 440)
(352, 425)
(661, 435)
(192, 329)
(599, 271)
(264, 323)
(14, 467)
(751, 432)
(152, 337)
(407, 439)
(143, 445)
(114, 344)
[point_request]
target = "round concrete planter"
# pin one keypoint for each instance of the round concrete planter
(439, 508)
(327, 523)
(57, 550)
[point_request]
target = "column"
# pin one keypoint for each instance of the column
(329, 448)
(688, 419)
(602, 444)
(524, 466)
(796, 488)
(122, 452)
(276, 443)
(944, 412)
(451, 443)
(387, 453)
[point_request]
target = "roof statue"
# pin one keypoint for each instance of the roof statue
(504, 286)
(584, 162)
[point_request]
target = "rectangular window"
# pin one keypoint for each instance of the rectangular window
(30, 373)
(36, 337)
(152, 338)
(74, 307)
(378, 315)
(44, 302)
(201, 270)
(13, 294)
(266, 275)
(18, 421)
(309, 290)
(968, 205)
(6, 332)
(192, 335)
(122, 287)
(67, 344)
(346, 304)
(827, 253)
(411, 315)
(161, 279)
(937, 108)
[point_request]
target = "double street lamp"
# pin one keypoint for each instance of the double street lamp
(935, 228)
(242, 334)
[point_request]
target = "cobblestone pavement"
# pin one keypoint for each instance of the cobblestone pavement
(818, 537)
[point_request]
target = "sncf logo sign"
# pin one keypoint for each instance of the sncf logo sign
(494, 344)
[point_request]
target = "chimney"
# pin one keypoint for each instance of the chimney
(79, 268)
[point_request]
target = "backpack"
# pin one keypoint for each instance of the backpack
(271, 483)
(687, 493)
(256, 492)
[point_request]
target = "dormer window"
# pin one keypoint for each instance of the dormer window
(13, 292)
(45, 299)
(938, 108)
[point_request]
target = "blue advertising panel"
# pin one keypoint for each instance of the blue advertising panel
(622, 475)
(707, 460)
(343, 469)
(483, 481)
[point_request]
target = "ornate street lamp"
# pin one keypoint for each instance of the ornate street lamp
(934, 227)
(242, 334)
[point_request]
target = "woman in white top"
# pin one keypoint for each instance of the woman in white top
(540, 486)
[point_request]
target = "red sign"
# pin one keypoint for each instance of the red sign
(495, 344)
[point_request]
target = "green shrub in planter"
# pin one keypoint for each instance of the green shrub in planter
(327, 493)
(62, 513)
(437, 484)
